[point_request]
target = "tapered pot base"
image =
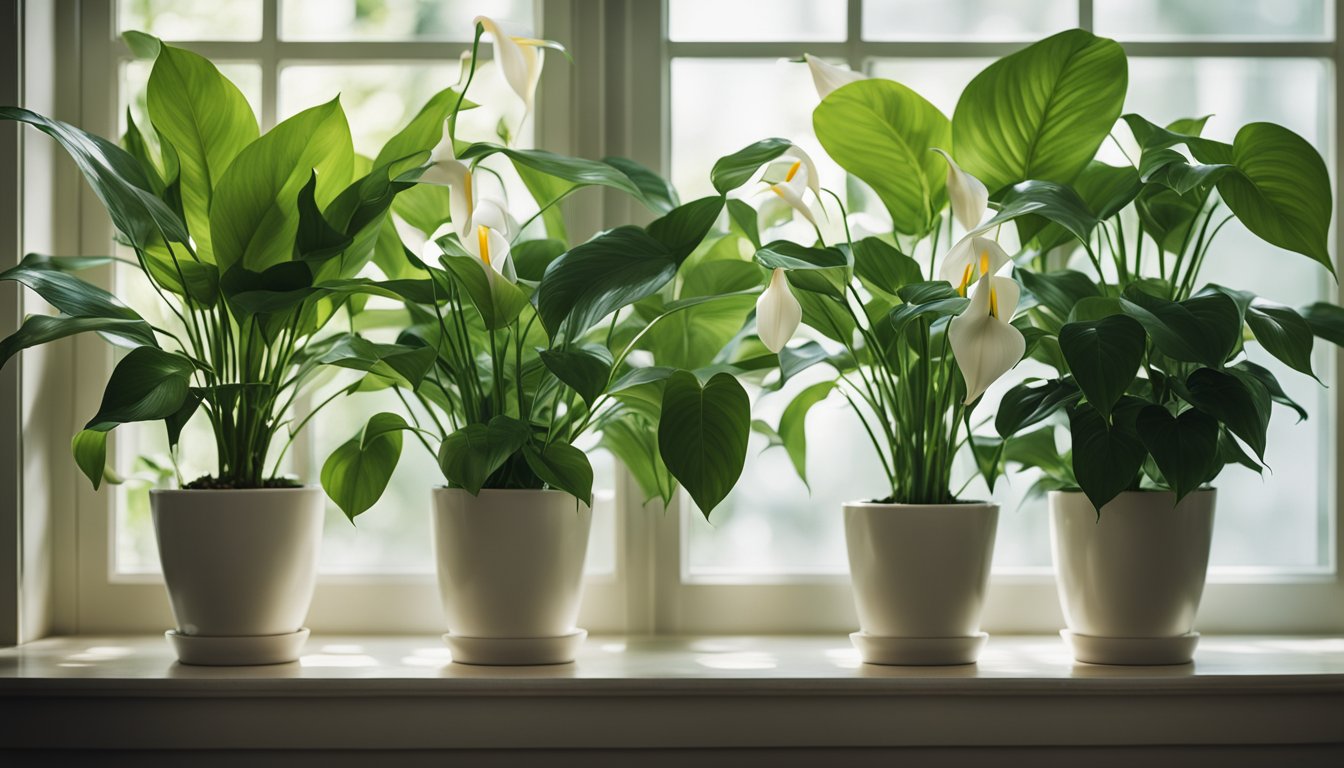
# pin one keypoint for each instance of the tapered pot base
(1133, 651)
(241, 651)
(516, 651)
(918, 651)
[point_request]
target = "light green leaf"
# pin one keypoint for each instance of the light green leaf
(793, 424)
(89, 447)
(821, 270)
(469, 456)
(356, 474)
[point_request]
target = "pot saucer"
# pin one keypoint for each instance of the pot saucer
(241, 651)
(1134, 651)
(919, 651)
(515, 651)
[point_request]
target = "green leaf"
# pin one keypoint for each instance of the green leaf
(794, 360)
(1282, 191)
(732, 171)
(621, 266)
(1040, 113)
(1203, 329)
(1106, 457)
(1271, 384)
(1283, 333)
(635, 443)
(827, 315)
(399, 363)
(423, 132)
(720, 276)
(563, 467)
(883, 268)
(499, 301)
(531, 258)
(1185, 447)
(253, 218)
(585, 369)
(356, 474)
(115, 177)
(1326, 321)
(89, 447)
(148, 384)
(1236, 399)
(208, 122)
(743, 216)
(316, 239)
(174, 424)
(40, 329)
(793, 424)
(1104, 356)
(1037, 449)
(1045, 200)
(657, 192)
(1030, 403)
(574, 172)
(702, 435)
(1059, 291)
(882, 132)
(821, 270)
(692, 337)
(469, 456)
(987, 450)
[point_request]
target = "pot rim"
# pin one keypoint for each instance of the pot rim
(963, 505)
(208, 491)
(504, 491)
(1140, 492)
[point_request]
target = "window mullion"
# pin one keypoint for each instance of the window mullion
(1085, 15)
(269, 59)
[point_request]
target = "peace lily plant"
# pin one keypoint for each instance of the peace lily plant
(520, 342)
(254, 245)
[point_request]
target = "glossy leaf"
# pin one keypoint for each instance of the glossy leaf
(883, 268)
(1283, 333)
(1185, 447)
(89, 447)
(1326, 321)
(882, 132)
(40, 329)
(1040, 113)
(1103, 356)
(821, 270)
(469, 456)
(1106, 457)
(356, 474)
(562, 467)
(584, 369)
(732, 171)
(1059, 291)
(1031, 403)
(702, 435)
(148, 384)
(1203, 329)
(1237, 400)
(395, 362)
(793, 424)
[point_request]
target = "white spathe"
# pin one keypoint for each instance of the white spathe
(970, 259)
(827, 77)
(492, 249)
(778, 312)
(968, 195)
(519, 60)
(986, 345)
(457, 177)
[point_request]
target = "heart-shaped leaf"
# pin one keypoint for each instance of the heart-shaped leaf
(469, 456)
(1185, 447)
(1106, 457)
(563, 467)
(1283, 333)
(148, 384)
(1104, 356)
(1031, 403)
(702, 434)
(585, 369)
(1203, 329)
(1236, 399)
(356, 474)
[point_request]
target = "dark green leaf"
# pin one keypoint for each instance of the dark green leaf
(883, 268)
(562, 467)
(356, 474)
(148, 384)
(702, 435)
(822, 270)
(732, 171)
(40, 329)
(1185, 447)
(1104, 356)
(744, 217)
(1106, 457)
(1027, 404)
(1059, 291)
(469, 456)
(1271, 384)
(1203, 329)
(656, 191)
(398, 363)
(793, 424)
(1326, 321)
(1283, 333)
(1236, 399)
(316, 240)
(585, 369)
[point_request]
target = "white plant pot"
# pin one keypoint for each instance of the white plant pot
(1130, 580)
(510, 568)
(919, 574)
(240, 567)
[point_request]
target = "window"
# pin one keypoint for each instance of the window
(681, 83)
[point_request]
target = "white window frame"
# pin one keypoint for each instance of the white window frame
(1020, 600)
(612, 101)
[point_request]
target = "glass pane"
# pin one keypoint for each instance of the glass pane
(1200, 20)
(751, 20)
(192, 19)
(399, 19)
(966, 19)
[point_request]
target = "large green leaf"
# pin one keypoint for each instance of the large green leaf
(1104, 356)
(793, 424)
(568, 173)
(254, 218)
(356, 474)
(1203, 329)
(620, 267)
(1030, 403)
(1040, 113)
(1185, 447)
(693, 336)
(398, 363)
(1037, 199)
(1283, 333)
(208, 122)
(423, 132)
(1106, 457)
(469, 456)
(563, 467)
(115, 177)
(882, 132)
(146, 385)
(658, 193)
(40, 329)
(883, 268)
(702, 435)
(1059, 291)
(1236, 399)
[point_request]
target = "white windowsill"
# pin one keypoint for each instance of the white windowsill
(668, 692)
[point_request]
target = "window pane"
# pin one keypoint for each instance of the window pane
(192, 19)
(966, 19)
(1199, 19)
(752, 20)
(399, 19)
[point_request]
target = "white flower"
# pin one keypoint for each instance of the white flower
(969, 197)
(970, 259)
(827, 77)
(519, 59)
(795, 175)
(778, 312)
(984, 343)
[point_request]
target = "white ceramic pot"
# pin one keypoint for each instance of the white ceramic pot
(511, 573)
(919, 574)
(1130, 580)
(240, 566)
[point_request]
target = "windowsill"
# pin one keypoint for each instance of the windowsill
(712, 692)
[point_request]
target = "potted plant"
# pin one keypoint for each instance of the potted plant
(519, 344)
(1153, 383)
(252, 243)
